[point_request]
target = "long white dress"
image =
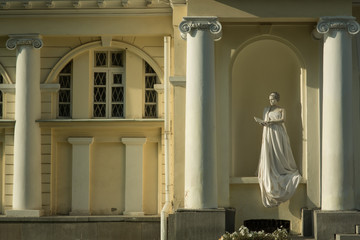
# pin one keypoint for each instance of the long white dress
(277, 172)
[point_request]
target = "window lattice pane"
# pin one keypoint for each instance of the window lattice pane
(1, 110)
(1, 97)
(148, 68)
(64, 96)
(64, 110)
(100, 78)
(117, 110)
(100, 59)
(65, 81)
(99, 94)
(99, 110)
(117, 94)
(150, 81)
(1, 79)
(64, 107)
(117, 59)
(150, 96)
(67, 68)
(117, 78)
(150, 110)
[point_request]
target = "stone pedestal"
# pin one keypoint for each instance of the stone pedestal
(196, 224)
(337, 191)
(200, 147)
(329, 223)
(80, 197)
(27, 153)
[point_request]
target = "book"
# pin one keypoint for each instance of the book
(259, 120)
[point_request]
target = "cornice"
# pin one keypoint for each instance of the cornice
(79, 4)
(210, 24)
(345, 23)
(99, 12)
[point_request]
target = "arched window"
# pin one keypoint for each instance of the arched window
(109, 84)
(65, 81)
(150, 106)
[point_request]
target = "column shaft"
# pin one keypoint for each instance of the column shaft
(337, 139)
(200, 133)
(27, 140)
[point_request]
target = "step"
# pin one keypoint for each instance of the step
(347, 236)
(297, 237)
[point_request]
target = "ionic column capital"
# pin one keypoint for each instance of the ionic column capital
(342, 23)
(16, 40)
(201, 23)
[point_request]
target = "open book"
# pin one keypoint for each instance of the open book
(259, 120)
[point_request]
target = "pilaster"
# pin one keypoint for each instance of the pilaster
(80, 200)
(133, 175)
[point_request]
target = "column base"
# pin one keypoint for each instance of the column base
(80, 213)
(329, 223)
(190, 224)
(134, 213)
(24, 213)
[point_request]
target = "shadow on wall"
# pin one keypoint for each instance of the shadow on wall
(259, 68)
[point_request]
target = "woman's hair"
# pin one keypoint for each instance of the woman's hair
(276, 95)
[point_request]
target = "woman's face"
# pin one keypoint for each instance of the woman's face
(272, 100)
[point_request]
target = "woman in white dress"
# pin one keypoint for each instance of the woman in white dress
(277, 173)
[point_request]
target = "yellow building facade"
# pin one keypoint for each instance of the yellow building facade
(94, 107)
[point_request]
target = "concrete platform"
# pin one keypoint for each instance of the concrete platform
(191, 224)
(329, 223)
(80, 227)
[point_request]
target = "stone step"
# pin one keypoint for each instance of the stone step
(297, 237)
(347, 236)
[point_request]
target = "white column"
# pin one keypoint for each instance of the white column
(133, 175)
(27, 143)
(337, 138)
(80, 200)
(200, 154)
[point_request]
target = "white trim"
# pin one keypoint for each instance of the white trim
(52, 77)
(5, 75)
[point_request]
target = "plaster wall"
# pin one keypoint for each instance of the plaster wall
(107, 170)
(113, 24)
(261, 10)
(55, 48)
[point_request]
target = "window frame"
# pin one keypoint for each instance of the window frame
(110, 70)
(154, 74)
(70, 89)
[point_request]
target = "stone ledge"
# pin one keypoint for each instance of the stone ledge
(69, 219)
(347, 237)
(24, 213)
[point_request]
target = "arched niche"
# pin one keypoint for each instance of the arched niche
(259, 67)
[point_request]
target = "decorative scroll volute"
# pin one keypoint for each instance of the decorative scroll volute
(19, 40)
(348, 24)
(201, 23)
